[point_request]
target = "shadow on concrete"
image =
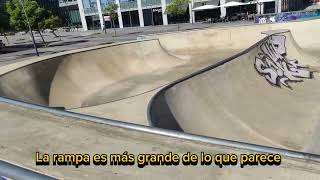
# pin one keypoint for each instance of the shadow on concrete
(66, 43)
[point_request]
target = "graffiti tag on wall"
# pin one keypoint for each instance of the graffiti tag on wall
(287, 16)
(267, 19)
(272, 63)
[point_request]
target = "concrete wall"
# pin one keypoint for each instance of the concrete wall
(68, 80)
(237, 37)
(230, 100)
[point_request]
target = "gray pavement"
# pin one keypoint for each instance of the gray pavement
(81, 39)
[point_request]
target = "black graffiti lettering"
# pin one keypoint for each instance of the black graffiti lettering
(272, 63)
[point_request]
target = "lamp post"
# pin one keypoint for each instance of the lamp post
(33, 41)
(260, 4)
(130, 18)
(152, 15)
(152, 21)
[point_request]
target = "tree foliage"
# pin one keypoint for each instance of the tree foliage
(111, 10)
(36, 14)
(39, 18)
(52, 22)
(177, 7)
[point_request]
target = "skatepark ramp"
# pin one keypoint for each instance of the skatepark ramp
(265, 95)
(213, 41)
(73, 79)
(98, 75)
(254, 93)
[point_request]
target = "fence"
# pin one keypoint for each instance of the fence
(287, 16)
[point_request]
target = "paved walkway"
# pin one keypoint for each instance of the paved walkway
(76, 40)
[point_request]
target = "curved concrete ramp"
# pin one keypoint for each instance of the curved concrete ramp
(90, 77)
(267, 95)
(212, 41)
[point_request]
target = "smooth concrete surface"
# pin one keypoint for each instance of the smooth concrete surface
(24, 132)
(118, 81)
(212, 40)
(83, 80)
(96, 81)
(131, 96)
(235, 98)
(76, 76)
(112, 81)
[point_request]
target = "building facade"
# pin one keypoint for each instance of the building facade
(292, 5)
(2, 5)
(130, 13)
(71, 12)
(67, 11)
(152, 12)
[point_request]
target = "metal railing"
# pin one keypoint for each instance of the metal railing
(8, 170)
(287, 16)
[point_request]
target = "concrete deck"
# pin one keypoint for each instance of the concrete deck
(25, 131)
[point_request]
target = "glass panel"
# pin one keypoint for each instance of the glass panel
(150, 2)
(124, 4)
(89, 3)
(104, 3)
(93, 10)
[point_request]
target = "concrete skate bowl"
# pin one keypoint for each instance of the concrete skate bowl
(99, 75)
(88, 77)
(265, 95)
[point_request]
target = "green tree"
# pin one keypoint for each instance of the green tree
(36, 15)
(52, 23)
(177, 8)
(111, 10)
